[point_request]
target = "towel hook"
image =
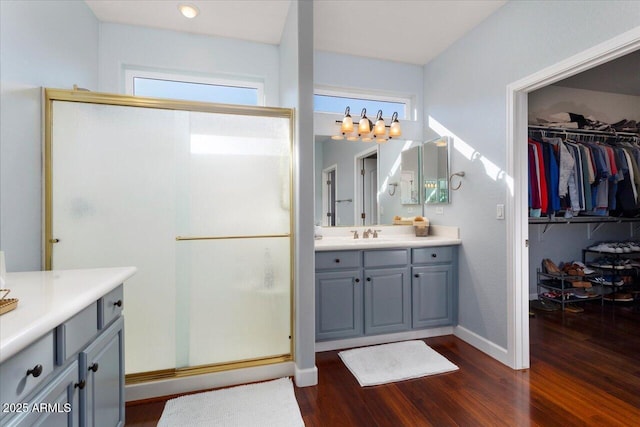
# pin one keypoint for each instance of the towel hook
(460, 174)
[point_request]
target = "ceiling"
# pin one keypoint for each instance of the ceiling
(410, 31)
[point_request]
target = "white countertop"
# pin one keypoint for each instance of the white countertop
(48, 298)
(389, 236)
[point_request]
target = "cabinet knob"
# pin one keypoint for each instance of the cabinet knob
(94, 367)
(434, 255)
(118, 303)
(368, 279)
(416, 275)
(357, 280)
(36, 371)
(337, 260)
(80, 385)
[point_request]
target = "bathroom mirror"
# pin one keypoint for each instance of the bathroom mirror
(435, 170)
(410, 176)
(342, 193)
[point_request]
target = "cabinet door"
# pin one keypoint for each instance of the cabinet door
(432, 296)
(56, 405)
(102, 367)
(387, 305)
(338, 305)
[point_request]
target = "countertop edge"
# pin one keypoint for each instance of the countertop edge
(390, 244)
(20, 340)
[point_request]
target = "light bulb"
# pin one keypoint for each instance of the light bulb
(188, 10)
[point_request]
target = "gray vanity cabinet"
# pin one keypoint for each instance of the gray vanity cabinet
(434, 286)
(373, 292)
(339, 295)
(74, 374)
(387, 291)
(338, 304)
(101, 365)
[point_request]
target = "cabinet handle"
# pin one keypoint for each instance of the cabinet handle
(337, 260)
(118, 303)
(94, 367)
(357, 280)
(416, 275)
(80, 385)
(368, 279)
(434, 255)
(36, 371)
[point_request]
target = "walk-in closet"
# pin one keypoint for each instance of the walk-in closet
(584, 191)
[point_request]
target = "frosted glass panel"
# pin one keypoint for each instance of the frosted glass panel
(238, 300)
(236, 180)
(114, 205)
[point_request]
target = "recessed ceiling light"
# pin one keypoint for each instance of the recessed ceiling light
(188, 10)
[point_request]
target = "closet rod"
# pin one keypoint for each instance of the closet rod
(583, 131)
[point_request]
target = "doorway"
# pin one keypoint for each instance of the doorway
(517, 191)
(366, 185)
(329, 189)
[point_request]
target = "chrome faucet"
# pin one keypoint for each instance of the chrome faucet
(375, 233)
(367, 233)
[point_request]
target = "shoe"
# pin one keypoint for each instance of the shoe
(548, 266)
(634, 246)
(603, 247)
(581, 284)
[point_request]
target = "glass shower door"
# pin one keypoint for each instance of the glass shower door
(198, 198)
(234, 238)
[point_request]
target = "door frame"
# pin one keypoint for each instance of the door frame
(516, 180)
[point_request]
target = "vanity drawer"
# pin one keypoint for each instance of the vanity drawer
(433, 254)
(74, 334)
(337, 260)
(26, 370)
(110, 307)
(386, 258)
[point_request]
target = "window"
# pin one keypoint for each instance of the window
(336, 102)
(193, 88)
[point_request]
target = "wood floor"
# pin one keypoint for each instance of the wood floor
(585, 371)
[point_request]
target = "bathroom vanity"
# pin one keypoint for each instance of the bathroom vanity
(61, 349)
(393, 283)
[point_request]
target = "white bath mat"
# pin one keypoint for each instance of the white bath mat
(381, 364)
(268, 404)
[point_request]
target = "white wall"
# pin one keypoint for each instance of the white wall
(465, 91)
(42, 44)
(126, 46)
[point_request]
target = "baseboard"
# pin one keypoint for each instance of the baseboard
(306, 377)
(382, 339)
(482, 344)
(233, 377)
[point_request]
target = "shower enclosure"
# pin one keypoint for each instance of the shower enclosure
(198, 197)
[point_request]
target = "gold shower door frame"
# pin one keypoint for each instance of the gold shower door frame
(52, 95)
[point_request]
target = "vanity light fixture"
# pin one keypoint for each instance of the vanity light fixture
(188, 10)
(364, 126)
(367, 131)
(347, 122)
(394, 130)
